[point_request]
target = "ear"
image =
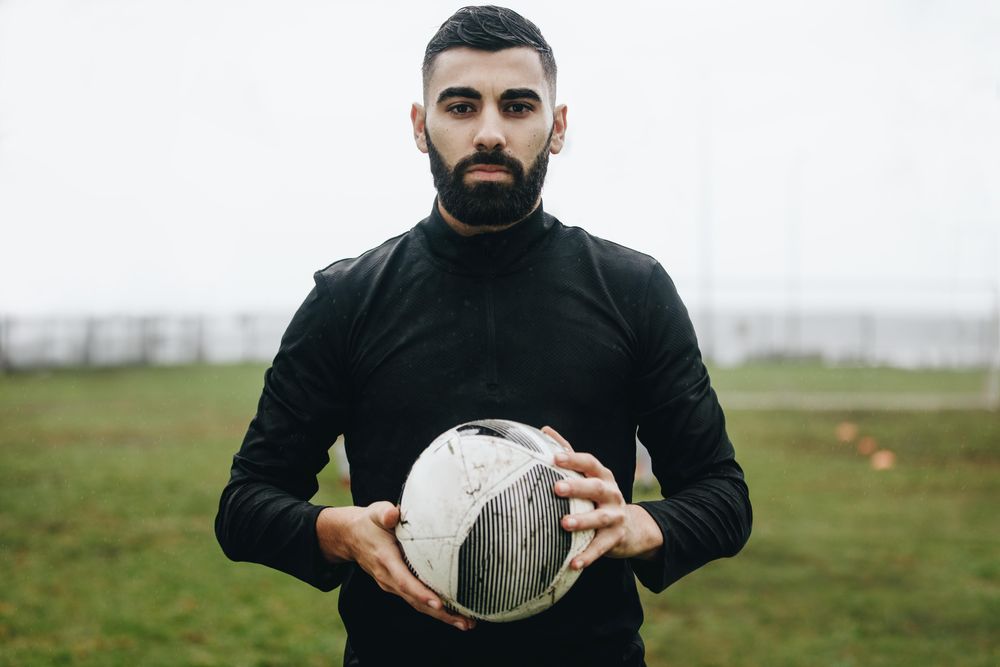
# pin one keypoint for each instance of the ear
(418, 116)
(558, 129)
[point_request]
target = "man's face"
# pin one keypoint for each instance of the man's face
(488, 127)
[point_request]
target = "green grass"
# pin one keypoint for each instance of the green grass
(847, 565)
(793, 377)
(109, 482)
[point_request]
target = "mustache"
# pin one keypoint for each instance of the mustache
(495, 157)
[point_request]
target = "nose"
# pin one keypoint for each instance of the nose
(490, 134)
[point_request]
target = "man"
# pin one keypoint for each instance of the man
(488, 308)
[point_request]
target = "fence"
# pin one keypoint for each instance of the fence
(911, 341)
(728, 338)
(27, 343)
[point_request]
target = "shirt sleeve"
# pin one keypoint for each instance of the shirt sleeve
(705, 513)
(264, 513)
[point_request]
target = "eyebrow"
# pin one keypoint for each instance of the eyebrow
(520, 94)
(459, 91)
(473, 94)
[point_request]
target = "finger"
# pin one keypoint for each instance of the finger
(435, 610)
(554, 434)
(586, 464)
(384, 562)
(591, 488)
(603, 542)
(422, 598)
(596, 520)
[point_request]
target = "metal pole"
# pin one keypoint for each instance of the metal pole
(793, 341)
(993, 373)
(707, 328)
(4, 361)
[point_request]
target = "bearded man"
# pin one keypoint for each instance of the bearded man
(489, 307)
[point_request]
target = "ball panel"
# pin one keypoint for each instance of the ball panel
(434, 512)
(503, 429)
(470, 465)
(480, 522)
(430, 560)
(512, 554)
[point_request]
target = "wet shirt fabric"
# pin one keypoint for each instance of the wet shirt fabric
(540, 323)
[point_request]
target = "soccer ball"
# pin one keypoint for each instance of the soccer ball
(479, 521)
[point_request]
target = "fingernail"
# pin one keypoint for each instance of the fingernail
(433, 604)
(561, 458)
(562, 487)
(577, 564)
(459, 625)
(571, 523)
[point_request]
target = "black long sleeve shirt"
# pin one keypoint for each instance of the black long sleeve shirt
(540, 323)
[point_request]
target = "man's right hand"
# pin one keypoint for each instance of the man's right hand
(366, 535)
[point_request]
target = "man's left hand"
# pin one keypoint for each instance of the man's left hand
(620, 530)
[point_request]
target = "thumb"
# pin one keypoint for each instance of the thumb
(384, 514)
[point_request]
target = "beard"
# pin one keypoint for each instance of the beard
(489, 204)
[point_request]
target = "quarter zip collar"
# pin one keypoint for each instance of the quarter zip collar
(491, 253)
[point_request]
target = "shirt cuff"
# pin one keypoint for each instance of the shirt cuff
(324, 575)
(653, 573)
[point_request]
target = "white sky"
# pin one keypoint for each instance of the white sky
(206, 156)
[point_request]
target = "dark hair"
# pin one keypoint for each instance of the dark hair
(489, 28)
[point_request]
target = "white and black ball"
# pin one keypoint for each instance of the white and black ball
(479, 521)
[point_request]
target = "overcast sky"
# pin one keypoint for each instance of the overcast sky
(207, 156)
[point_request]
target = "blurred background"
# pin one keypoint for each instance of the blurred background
(821, 180)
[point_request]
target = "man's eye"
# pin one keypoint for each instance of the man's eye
(460, 109)
(518, 108)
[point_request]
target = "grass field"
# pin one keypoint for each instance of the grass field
(109, 482)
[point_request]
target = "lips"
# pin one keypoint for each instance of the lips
(488, 173)
(489, 168)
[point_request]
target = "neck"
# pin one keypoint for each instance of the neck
(472, 230)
